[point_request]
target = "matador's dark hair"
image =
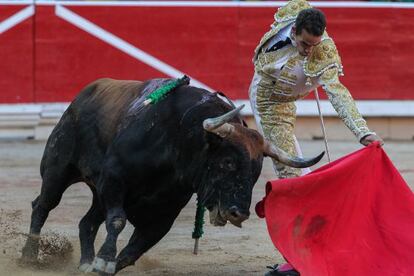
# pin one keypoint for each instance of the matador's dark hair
(312, 20)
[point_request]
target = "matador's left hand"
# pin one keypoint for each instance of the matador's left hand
(370, 139)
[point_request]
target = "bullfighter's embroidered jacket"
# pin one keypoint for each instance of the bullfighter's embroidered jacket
(284, 76)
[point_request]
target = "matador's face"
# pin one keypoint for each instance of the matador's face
(305, 41)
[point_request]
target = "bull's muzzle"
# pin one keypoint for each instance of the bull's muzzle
(236, 216)
(219, 217)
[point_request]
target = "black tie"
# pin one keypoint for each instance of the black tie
(279, 45)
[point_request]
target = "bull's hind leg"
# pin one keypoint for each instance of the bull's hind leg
(88, 228)
(53, 187)
(57, 175)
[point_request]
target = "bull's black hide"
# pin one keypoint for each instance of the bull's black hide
(143, 164)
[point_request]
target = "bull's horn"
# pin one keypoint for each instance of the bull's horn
(210, 124)
(283, 157)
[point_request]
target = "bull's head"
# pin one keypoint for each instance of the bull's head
(234, 165)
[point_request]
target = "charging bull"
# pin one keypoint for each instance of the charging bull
(144, 162)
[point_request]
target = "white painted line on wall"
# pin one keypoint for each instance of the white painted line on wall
(20, 108)
(368, 108)
(16, 18)
(122, 45)
(320, 4)
(16, 2)
(204, 4)
(305, 108)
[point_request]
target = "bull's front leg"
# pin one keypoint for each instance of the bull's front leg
(112, 194)
(145, 236)
(105, 259)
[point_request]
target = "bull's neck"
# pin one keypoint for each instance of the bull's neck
(195, 144)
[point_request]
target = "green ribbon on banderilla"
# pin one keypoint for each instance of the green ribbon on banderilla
(153, 98)
(161, 92)
(198, 225)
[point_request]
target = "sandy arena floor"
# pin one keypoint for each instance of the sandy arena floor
(223, 251)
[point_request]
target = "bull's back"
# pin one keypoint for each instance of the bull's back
(88, 126)
(103, 104)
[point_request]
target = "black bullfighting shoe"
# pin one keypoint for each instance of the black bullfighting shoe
(275, 271)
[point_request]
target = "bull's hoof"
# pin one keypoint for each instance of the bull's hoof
(30, 252)
(103, 267)
(86, 268)
(29, 257)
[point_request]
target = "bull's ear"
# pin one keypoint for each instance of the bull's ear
(212, 141)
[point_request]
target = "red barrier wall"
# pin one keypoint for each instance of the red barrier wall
(46, 58)
(16, 58)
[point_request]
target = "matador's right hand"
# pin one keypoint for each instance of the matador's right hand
(370, 138)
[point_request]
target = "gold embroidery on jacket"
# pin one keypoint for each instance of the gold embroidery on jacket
(292, 62)
(278, 88)
(278, 121)
(287, 78)
(343, 103)
(265, 63)
(323, 57)
(291, 10)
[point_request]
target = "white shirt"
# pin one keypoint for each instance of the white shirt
(280, 36)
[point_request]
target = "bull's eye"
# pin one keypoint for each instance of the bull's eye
(228, 164)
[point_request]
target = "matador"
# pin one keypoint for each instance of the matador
(294, 57)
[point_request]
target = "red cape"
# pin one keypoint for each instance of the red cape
(354, 216)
